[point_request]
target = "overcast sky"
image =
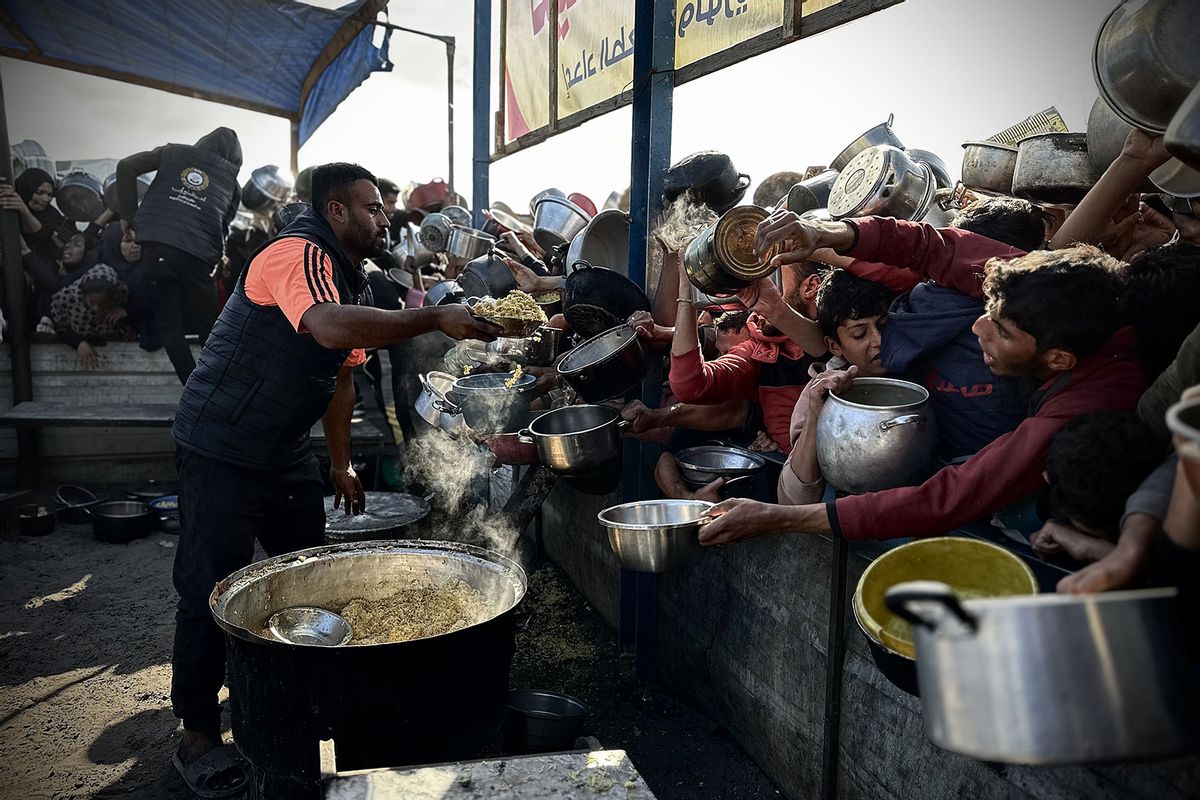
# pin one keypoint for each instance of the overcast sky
(950, 71)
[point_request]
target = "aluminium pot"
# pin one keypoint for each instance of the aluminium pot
(811, 193)
(880, 134)
(1145, 60)
(434, 387)
(607, 365)
(981, 569)
(721, 259)
(576, 440)
(541, 722)
(596, 299)
(468, 243)
(488, 404)
(1106, 133)
(120, 521)
(80, 196)
(486, 276)
(1051, 679)
(266, 188)
(556, 221)
(604, 242)
(877, 434)
(883, 181)
(444, 293)
(941, 172)
(989, 166)
(110, 191)
(436, 699)
(1053, 168)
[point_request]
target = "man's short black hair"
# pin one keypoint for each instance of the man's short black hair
(732, 321)
(1009, 220)
(1094, 463)
(1069, 298)
(333, 181)
(388, 187)
(843, 296)
(1162, 301)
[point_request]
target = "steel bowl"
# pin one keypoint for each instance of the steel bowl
(989, 166)
(310, 626)
(468, 243)
(655, 535)
(457, 215)
(883, 181)
(880, 134)
(1146, 61)
(556, 221)
(705, 464)
(540, 722)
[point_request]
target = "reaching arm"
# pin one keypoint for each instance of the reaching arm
(344, 326)
(665, 310)
(337, 438)
(764, 299)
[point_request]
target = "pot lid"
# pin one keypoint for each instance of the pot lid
(860, 181)
(385, 511)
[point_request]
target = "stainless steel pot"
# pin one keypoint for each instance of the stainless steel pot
(488, 404)
(539, 349)
(266, 188)
(1053, 168)
(1182, 139)
(606, 366)
(556, 221)
(457, 215)
(576, 440)
(941, 172)
(1145, 60)
(80, 196)
(883, 181)
(120, 521)
(706, 463)
(655, 535)
(542, 195)
(1051, 679)
(880, 134)
(604, 242)
(721, 259)
(989, 166)
(110, 191)
(876, 435)
(468, 243)
(1106, 134)
(434, 232)
(434, 387)
(811, 193)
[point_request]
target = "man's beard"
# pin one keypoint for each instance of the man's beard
(366, 241)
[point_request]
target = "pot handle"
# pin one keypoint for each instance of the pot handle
(446, 407)
(731, 481)
(901, 598)
(623, 423)
(891, 119)
(905, 419)
(524, 436)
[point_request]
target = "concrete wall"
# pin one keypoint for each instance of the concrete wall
(742, 636)
(127, 374)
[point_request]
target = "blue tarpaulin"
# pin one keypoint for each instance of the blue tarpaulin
(280, 57)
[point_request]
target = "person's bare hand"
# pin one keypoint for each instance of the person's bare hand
(10, 200)
(116, 315)
(817, 390)
(763, 443)
(738, 519)
(1117, 570)
(531, 244)
(89, 359)
(457, 322)
(512, 244)
(527, 280)
(640, 417)
(1145, 148)
(710, 492)
(347, 486)
(1150, 230)
(642, 323)
(762, 297)
(785, 238)
(126, 226)
(1055, 537)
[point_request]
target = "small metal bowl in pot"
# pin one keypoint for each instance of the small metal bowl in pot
(309, 625)
(540, 722)
(655, 535)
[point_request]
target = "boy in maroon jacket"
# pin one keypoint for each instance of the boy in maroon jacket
(1052, 318)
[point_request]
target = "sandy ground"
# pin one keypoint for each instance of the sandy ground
(85, 641)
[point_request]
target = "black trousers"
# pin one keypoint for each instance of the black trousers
(183, 296)
(223, 508)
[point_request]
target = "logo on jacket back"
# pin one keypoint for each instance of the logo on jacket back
(195, 179)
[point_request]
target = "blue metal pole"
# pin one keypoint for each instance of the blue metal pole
(653, 88)
(481, 121)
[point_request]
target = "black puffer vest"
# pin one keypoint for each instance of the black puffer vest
(188, 200)
(259, 387)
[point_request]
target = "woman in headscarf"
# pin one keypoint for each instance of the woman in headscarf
(119, 249)
(30, 197)
(90, 310)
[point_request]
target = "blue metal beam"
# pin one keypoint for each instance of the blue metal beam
(481, 119)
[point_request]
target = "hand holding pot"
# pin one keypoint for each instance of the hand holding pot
(457, 322)
(1055, 537)
(710, 492)
(1145, 149)
(640, 418)
(512, 244)
(738, 519)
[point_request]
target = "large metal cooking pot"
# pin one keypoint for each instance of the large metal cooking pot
(468, 243)
(606, 366)
(110, 191)
(883, 181)
(975, 568)
(80, 196)
(1051, 679)
(604, 242)
(721, 259)
(576, 440)
(444, 293)
(1145, 59)
(877, 434)
(880, 134)
(989, 166)
(941, 172)
(655, 535)
(1053, 168)
(1182, 139)
(811, 193)
(266, 188)
(486, 276)
(488, 403)
(427, 700)
(1106, 133)
(435, 386)
(556, 221)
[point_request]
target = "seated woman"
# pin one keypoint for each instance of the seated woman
(851, 312)
(91, 310)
